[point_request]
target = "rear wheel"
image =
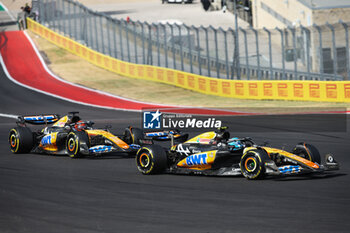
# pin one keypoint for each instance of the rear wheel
(307, 151)
(151, 160)
(21, 140)
(252, 164)
(77, 144)
(133, 135)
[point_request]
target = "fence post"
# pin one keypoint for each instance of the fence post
(83, 25)
(246, 52)
(135, 41)
(69, 21)
(53, 15)
(335, 64)
(180, 42)
(233, 55)
(114, 38)
(120, 22)
(143, 43)
(75, 17)
(189, 47)
(45, 12)
(320, 49)
(82, 21)
(158, 43)
(96, 33)
(126, 23)
(207, 47)
(64, 18)
(101, 35)
(307, 32)
(257, 52)
(295, 55)
(270, 52)
(347, 47)
(216, 51)
(149, 52)
(40, 11)
(108, 22)
(165, 46)
(283, 51)
(226, 53)
(236, 57)
(89, 28)
(198, 51)
(173, 44)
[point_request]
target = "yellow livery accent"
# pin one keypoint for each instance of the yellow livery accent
(62, 122)
(204, 138)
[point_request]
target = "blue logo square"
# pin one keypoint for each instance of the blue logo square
(152, 120)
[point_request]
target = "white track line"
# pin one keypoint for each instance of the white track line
(53, 95)
(8, 115)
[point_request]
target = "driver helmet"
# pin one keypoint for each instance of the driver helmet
(80, 125)
(222, 136)
(235, 144)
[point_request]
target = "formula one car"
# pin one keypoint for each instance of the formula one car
(215, 153)
(70, 135)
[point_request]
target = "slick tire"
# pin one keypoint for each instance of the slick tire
(307, 151)
(77, 144)
(133, 135)
(253, 164)
(151, 160)
(21, 140)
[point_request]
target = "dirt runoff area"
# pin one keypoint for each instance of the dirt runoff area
(74, 69)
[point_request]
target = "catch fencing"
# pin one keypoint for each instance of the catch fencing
(298, 53)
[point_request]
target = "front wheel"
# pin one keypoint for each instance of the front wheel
(307, 151)
(252, 164)
(21, 140)
(77, 144)
(151, 160)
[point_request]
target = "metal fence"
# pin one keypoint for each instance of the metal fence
(298, 53)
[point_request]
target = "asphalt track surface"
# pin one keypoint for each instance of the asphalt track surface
(41, 193)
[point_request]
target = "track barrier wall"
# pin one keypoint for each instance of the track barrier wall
(325, 91)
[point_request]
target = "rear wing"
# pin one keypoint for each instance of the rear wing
(38, 119)
(167, 135)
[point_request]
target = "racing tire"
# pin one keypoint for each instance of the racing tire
(151, 160)
(133, 135)
(21, 140)
(307, 151)
(77, 144)
(253, 164)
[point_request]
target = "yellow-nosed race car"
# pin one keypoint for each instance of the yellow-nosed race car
(70, 135)
(215, 153)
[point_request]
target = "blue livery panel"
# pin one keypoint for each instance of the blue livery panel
(197, 159)
(42, 119)
(47, 140)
